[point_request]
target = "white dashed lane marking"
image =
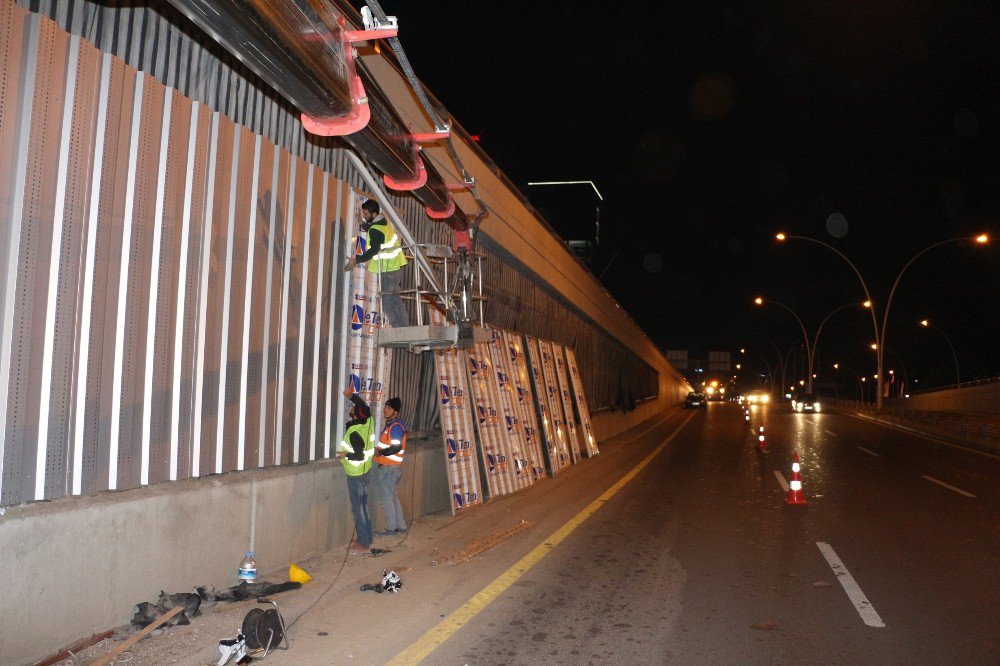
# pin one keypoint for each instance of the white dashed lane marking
(870, 452)
(831, 434)
(854, 593)
(781, 480)
(948, 486)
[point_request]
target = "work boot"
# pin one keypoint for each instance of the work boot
(360, 547)
(385, 533)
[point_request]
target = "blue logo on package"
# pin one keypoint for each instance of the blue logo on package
(445, 394)
(357, 317)
(360, 244)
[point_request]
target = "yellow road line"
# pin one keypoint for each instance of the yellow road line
(444, 629)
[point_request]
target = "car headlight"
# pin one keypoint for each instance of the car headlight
(765, 399)
(816, 406)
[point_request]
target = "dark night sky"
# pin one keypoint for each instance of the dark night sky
(708, 126)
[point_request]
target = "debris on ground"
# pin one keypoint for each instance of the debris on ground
(480, 546)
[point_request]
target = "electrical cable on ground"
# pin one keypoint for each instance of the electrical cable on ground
(347, 554)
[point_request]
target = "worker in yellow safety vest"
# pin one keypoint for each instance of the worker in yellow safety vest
(356, 451)
(384, 255)
(389, 454)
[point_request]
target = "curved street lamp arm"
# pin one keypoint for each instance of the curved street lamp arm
(805, 338)
(854, 268)
(892, 292)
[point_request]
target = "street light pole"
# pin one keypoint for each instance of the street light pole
(805, 336)
(926, 324)
(781, 363)
(982, 239)
(866, 304)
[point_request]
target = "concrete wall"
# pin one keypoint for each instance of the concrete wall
(76, 566)
(983, 399)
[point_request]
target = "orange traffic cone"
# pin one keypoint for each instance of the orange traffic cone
(761, 443)
(795, 495)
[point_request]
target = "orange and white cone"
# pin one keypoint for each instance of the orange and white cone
(761, 442)
(795, 495)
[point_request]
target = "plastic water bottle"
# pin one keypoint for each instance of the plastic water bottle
(248, 568)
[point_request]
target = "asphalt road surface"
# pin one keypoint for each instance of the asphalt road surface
(697, 559)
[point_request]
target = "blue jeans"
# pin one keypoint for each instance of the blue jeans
(357, 487)
(388, 495)
(392, 304)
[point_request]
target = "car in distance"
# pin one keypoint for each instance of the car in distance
(805, 403)
(694, 400)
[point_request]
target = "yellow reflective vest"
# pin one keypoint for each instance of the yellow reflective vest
(367, 432)
(390, 256)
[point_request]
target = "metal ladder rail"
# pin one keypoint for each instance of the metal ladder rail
(403, 231)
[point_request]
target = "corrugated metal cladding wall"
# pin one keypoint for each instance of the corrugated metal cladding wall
(613, 376)
(153, 287)
(151, 258)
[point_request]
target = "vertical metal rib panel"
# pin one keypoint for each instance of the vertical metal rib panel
(227, 288)
(270, 201)
(110, 224)
(190, 422)
(61, 476)
(88, 250)
(45, 413)
(334, 307)
(248, 278)
(286, 261)
(154, 292)
(168, 334)
(123, 283)
(198, 418)
(24, 34)
(180, 330)
(316, 422)
(264, 174)
(303, 305)
(243, 176)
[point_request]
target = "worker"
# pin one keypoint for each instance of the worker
(389, 452)
(355, 452)
(385, 257)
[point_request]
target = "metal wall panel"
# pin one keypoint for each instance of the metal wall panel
(238, 246)
(187, 425)
(306, 329)
(133, 449)
(256, 314)
(30, 457)
(218, 306)
(278, 217)
(164, 286)
(19, 32)
(77, 176)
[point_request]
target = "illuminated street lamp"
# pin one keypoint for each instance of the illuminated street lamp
(927, 324)
(805, 336)
(981, 239)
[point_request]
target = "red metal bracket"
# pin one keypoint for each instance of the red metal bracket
(442, 214)
(353, 36)
(457, 187)
(355, 121)
(359, 115)
(461, 240)
(415, 183)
